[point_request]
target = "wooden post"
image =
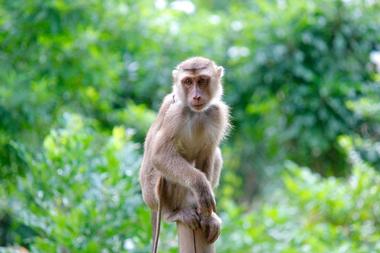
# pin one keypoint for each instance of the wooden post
(192, 241)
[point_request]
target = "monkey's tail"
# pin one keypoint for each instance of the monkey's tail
(158, 217)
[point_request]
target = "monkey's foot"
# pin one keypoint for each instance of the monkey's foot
(210, 226)
(187, 216)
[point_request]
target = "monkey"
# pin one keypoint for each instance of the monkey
(182, 160)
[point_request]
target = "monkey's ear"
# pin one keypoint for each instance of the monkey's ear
(220, 71)
(174, 74)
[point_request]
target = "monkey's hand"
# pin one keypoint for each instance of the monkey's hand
(210, 226)
(205, 197)
(187, 216)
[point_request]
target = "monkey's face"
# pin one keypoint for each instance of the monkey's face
(197, 83)
(197, 91)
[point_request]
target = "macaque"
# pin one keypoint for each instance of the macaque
(182, 159)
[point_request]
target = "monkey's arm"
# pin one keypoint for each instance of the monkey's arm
(175, 168)
(211, 165)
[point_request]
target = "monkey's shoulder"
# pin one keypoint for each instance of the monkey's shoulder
(219, 115)
(165, 106)
(163, 111)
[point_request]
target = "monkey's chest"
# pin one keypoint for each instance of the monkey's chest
(196, 136)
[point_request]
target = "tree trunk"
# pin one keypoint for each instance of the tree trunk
(192, 241)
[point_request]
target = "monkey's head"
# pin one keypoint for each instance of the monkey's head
(197, 82)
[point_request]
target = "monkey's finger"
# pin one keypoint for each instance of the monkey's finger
(206, 203)
(211, 206)
(208, 211)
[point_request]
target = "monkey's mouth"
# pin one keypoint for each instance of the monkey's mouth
(198, 107)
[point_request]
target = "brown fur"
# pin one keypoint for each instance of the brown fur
(182, 146)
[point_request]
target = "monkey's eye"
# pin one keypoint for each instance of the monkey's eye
(203, 81)
(187, 82)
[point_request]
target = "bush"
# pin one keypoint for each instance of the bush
(81, 193)
(288, 75)
(312, 214)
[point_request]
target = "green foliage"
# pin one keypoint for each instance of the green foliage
(79, 81)
(81, 193)
(306, 61)
(80, 196)
(291, 67)
(312, 215)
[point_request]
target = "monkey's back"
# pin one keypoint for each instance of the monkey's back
(149, 176)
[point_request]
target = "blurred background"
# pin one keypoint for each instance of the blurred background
(81, 81)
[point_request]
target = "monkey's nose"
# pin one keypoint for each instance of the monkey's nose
(197, 98)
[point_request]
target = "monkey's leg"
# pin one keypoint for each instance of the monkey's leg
(188, 216)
